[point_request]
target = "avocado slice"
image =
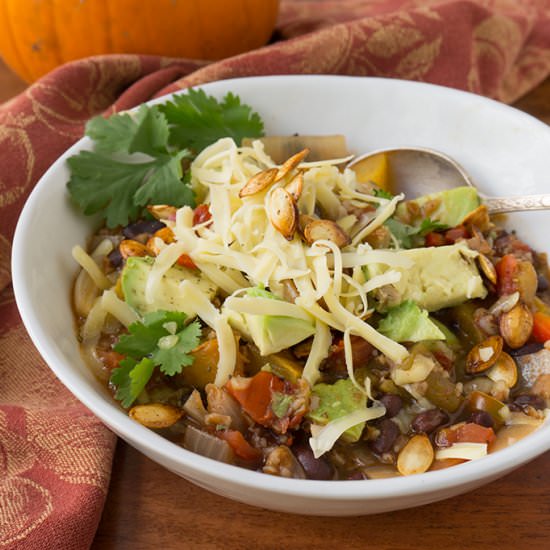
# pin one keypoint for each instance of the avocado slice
(409, 323)
(454, 205)
(337, 400)
(439, 277)
(169, 297)
(270, 333)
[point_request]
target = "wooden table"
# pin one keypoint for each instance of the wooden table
(149, 507)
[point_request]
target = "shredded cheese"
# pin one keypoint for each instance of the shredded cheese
(396, 352)
(119, 309)
(88, 264)
(324, 437)
(239, 247)
(266, 306)
(322, 341)
(464, 451)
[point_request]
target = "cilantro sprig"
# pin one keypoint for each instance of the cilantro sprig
(161, 339)
(137, 158)
(409, 236)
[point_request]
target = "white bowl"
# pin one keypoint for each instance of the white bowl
(505, 151)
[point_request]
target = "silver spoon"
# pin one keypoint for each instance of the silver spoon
(417, 171)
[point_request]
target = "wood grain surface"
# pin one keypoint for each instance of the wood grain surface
(148, 507)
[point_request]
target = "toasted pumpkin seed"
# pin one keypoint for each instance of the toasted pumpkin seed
(487, 268)
(258, 182)
(304, 220)
(295, 186)
(326, 230)
(291, 163)
(416, 457)
(516, 325)
(155, 415)
(484, 355)
(504, 369)
(162, 211)
(478, 218)
(165, 234)
(129, 247)
(283, 212)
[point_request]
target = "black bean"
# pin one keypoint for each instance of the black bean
(393, 404)
(389, 432)
(542, 283)
(527, 349)
(483, 418)
(315, 468)
(143, 226)
(521, 402)
(115, 258)
(428, 421)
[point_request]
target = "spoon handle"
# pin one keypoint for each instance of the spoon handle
(500, 205)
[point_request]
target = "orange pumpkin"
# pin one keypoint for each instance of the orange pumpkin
(38, 35)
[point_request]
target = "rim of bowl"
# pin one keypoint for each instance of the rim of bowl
(489, 466)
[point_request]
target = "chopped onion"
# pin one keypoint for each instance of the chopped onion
(207, 445)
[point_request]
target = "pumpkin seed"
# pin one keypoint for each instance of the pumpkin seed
(129, 248)
(504, 370)
(283, 212)
(165, 234)
(484, 355)
(295, 186)
(416, 457)
(487, 268)
(258, 182)
(478, 218)
(516, 325)
(155, 415)
(304, 220)
(326, 230)
(162, 211)
(291, 163)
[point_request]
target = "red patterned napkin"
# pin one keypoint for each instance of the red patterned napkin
(55, 457)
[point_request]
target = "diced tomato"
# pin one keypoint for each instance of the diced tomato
(541, 327)
(255, 395)
(185, 261)
(241, 447)
(434, 239)
(458, 232)
(201, 214)
(467, 432)
(507, 275)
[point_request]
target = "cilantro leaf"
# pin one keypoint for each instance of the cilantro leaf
(144, 335)
(117, 181)
(120, 189)
(409, 236)
(164, 185)
(131, 378)
(379, 192)
(402, 232)
(112, 134)
(151, 132)
(428, 225)
(172, 359)
(99, 183)
(199, 120)
(144, 348)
